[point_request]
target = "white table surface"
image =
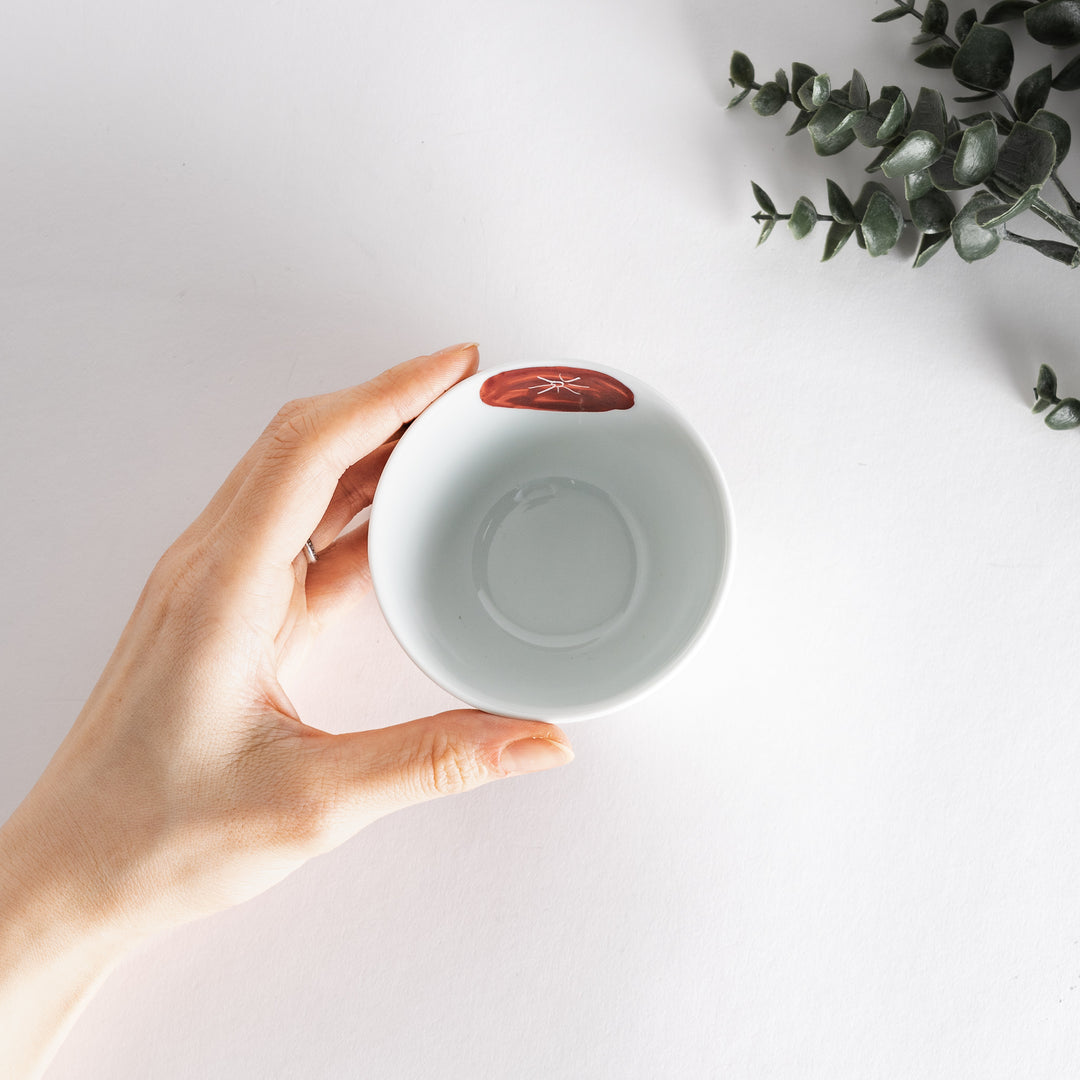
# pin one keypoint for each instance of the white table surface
(842, 843)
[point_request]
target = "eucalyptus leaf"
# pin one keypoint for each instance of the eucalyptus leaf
(858, 95)
(1025, 160)
(1054, 22)
(932, 212)
(977, 154)
(1007, 9)
(1069, 254)
(742, 71)
(803, 218)
(918, 151)
(1068, 78)
(800, 73)
(917, 184)
(894, 120)
(769, 99)
(766, 230)
(839, 204)
(838, 235)
(763, 200)
(985, 59)
(882, 223)
(941, 172)
(875, 165)
(891, 15)
(1064, 415)
(824, 132)
(802, 118)
(936, 19)
(984, 95)
(937, 56)
(1046, 383)
(929, 245)
(737, 98)
(928, 114)
(998, 214)
(1032, 93)
(972, 241)
(780, 78)
(1058, 128)
(964, 22)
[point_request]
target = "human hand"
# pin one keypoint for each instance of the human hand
(188, 782)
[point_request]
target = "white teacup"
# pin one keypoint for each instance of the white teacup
(550, 542)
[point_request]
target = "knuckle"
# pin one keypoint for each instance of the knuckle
(294, 425)
(446, 765)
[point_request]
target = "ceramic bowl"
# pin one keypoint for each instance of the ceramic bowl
(550, 542)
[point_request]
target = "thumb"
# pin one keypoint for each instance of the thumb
(384, 770)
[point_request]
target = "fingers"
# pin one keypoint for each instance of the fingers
(354, 493)
(340, 579)
(295, 468)
(377, 772)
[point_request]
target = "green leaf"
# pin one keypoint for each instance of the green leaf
(936, 19)
(1068, 78)
(941, 172)
(985, 59)
(894, 120)
(766, 230)
(800, 73)
(1025, 160)
(892, 14)
(937, 56)
(769, 99)
(918, 151)
(964, 22)
(875, 165)
(814, 92)
(1007, 9)
(1059, 128)
(1064, 415)
(763, 200)
(737, 98)
(882, 223)
(1046, 384)
(965, 99)
(1032, 93)
(780, 78)
(998, 214)
(742, 71)
(932, 212)
(1054, 22)
(802, 119)
(839, 204)
(977, 155)
(917, 184)
(826, 132)
(858, 95)
(838, 235)
(929, 114)
(803, 218)
(972, 241)
(929, 245)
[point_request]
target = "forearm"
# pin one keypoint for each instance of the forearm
(56, 947)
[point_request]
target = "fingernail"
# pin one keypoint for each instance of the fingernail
(534, 754)
(452, 350)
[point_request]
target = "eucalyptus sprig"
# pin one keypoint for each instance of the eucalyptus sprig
(1065, 412)
(1002, 158)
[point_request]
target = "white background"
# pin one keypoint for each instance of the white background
(843, 843)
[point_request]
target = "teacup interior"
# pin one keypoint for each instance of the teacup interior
(549, 564)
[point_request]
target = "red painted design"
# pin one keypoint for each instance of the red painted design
(556, 389)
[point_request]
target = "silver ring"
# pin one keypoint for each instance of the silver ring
(309, 551)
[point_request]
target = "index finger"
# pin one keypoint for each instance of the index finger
(312, 441)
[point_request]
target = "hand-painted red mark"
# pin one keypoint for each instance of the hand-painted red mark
(563, 389)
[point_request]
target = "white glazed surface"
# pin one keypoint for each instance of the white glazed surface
(552, 565)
